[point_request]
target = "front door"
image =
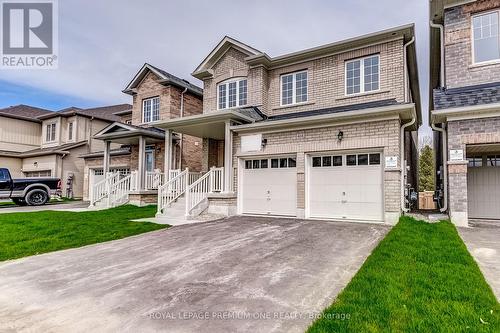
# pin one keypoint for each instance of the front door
(150, 158)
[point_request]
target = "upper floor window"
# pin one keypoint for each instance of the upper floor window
(486, 37)
(294, 88)
(70, 131)
(50, 134)
(232, 94)
(362, 75)
(151, 109)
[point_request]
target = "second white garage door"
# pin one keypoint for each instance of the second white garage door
(269, 186)
(345, 187)
(483, 187)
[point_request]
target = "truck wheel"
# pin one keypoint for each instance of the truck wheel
(19, 202)
(37, 197)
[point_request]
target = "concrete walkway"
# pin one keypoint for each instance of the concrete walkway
(242, 274)
(483, 242)
(76, 206)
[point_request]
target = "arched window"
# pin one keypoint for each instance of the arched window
(232, 93)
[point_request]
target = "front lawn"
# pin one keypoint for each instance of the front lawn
(25, 234)
(420, 278)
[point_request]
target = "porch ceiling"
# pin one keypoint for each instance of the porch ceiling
(479, 149)
(209, 125)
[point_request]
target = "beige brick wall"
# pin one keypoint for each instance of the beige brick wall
(377, 135)
(326, 79)
(460, 71)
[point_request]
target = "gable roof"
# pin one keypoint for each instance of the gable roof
(222, 47)
(165, 79)
(106, 113)
(59, 150)
(24, 112)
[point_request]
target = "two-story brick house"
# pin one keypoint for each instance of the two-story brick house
(326, 133)
(156, 96)
(465, 107)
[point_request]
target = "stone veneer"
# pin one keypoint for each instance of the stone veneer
(460, 134)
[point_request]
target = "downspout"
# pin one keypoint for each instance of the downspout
(182, 135)
(442, 129)
(404, 126)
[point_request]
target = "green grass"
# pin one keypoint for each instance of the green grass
(25, 234)
(420, 278)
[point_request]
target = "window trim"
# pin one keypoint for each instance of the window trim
(473, 56)
(144, 115)
(71, 124)
(226, 83)
(47, 140)
(294, 88)
(361, 75)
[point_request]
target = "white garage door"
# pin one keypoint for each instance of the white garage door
(483, 188)
(346, 187)
(269, 186)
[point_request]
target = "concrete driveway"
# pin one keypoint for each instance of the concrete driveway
(242, 274)
(483, 242)
(70, 206)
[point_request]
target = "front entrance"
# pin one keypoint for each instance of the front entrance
(269, 186)
(150, 158)
(483, 187)
(345, 186)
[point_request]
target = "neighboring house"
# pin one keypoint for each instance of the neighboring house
(42, 143)
(465, 107)
(157, 96)
(325, 133)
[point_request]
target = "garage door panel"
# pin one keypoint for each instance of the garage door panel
(270, 191)
(345, 192)
(483, 191)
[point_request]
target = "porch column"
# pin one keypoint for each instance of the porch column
(142, 155)
(168, 153)
(228, 158)
(105, 165)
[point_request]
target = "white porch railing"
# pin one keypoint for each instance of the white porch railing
(173, 173)
(114, 189)
(119, 191)
(171, 190)
(101, 189)
(154, 179)
(198, 191)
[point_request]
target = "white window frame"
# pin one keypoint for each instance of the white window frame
(473, 53)
(48, 138)
(294, 88)
(71, 130)
(361, 75)
(226, 83)
(152, 100)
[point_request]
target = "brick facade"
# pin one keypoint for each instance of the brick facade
(460, 70)
(378, 135)
(462, 133)
(326, 80)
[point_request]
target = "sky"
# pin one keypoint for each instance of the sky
(102, 44)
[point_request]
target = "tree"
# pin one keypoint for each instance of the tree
(426, 169)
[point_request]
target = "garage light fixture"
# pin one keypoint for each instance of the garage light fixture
(340, 135)
(263, 143)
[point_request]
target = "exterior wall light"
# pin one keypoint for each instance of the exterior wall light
(340, 135)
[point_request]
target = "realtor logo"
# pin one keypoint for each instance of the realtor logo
(29, 34)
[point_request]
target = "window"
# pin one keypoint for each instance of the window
(326, 161)
(294, 88)
(475, 162)
(337, 160)
(275, 163)
(362, 75)
(374, 159)
(37, 174)
(232, 94)
(50, 134)
(493, 160)
(70, 131)
(151, 109)
(363, 159)
(351, 159)
(486, 37)
(4, 175)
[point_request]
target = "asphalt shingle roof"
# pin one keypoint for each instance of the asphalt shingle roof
(466, 96)
(24, 112)
(104, 112)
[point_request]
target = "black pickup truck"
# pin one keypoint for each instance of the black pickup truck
(28, 191)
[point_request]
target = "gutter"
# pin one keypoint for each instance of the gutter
(181, 139)
(442, 130)
(403, 127)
